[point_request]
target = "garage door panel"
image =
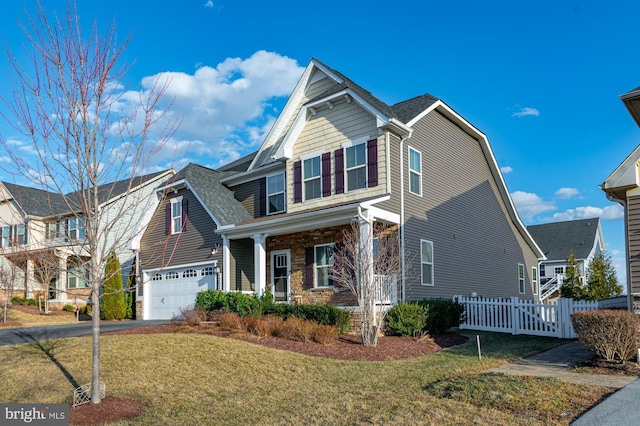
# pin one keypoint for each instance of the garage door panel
(169, 296)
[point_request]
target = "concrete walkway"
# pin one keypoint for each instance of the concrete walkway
(620, 408)
(557, 362)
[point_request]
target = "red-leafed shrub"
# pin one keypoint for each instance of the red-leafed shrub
(230, 321)
(324, 334)
(262, 327)
(611, 334)
(295, 328)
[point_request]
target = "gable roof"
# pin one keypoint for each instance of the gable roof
(632, 101)
(559, 239)
(41, 203)
(216, 198)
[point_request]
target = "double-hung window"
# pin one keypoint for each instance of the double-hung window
(50, 230)
(76, 228)
(311, 178)
(356, 162)
(324, 263)
(77, 276)
(521, 288)
(415, 171)
(426, 262)
(276, 194)
(6, 236)
(21, 234)
(176, 215)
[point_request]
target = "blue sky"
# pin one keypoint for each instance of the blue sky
(541, 79)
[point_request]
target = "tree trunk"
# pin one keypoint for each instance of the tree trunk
(95, 353)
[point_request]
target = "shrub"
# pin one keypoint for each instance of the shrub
(323, 314)
(295, 328)
(113, 306)
(405, 319)
(230, 321)
(211, 300)
(324, 334)
(68, 308)
(16, 300)
(442, 314)
(611, 334)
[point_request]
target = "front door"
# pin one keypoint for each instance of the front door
(280, 275)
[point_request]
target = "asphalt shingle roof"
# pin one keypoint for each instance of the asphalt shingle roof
(214, 195)
(41, 203)
(557, 240)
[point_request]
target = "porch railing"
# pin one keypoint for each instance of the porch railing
(386, 289)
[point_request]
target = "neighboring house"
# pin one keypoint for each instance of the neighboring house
(623, 186)
(558, 240)
(46, 240)
(334, 156)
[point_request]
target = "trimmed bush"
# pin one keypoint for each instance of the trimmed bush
(406, 319)
(324, 334)
(230, 321)
(68, 308)
(252, 306)
(442, 314)
(611, 334)
(113, 307)
(16, 300)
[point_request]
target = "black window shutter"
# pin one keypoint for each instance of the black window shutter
(12, 233)
(372, 163)
(338, 160)
(297, 182)
(263, 197)
(326, 174)
(167, 218)
(185, 213)
(309, 259)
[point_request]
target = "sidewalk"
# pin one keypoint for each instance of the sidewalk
(620, 408)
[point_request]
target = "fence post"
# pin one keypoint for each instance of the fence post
(565, 307)
(515, 315)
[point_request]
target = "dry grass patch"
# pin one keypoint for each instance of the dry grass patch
(187, 379)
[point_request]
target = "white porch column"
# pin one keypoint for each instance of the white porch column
(366, 261)
(260, 262)
(61, 282)
(226, 264)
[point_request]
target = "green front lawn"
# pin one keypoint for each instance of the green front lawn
(193, 379)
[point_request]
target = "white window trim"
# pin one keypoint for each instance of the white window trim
(433, 279)
(315, 266)
(284, 192)
(413, 171)
(173, 218)
(361, 166)
(521, 281)
(534, 279)
(318, 177)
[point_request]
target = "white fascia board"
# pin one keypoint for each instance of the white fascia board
(287, 112)
(445, 110)
(286, 148)
(254, 174)
(206, 208)
(137, 187)
(626, 174)
(186, 265)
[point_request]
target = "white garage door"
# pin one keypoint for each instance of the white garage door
(176, 289)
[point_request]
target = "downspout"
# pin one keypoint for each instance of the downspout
(626, 248)
(403, 265)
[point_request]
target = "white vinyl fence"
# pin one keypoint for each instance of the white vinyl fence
(517, 316)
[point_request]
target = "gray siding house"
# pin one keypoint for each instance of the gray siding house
(623, 187)
(558, 240)
(337, 155)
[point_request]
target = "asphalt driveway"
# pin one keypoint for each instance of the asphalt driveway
(14, 336)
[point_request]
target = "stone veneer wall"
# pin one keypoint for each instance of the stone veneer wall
(297, 243)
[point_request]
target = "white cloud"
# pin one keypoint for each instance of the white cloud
(613, 212)
(209, 3)
(506, 169)
(566, 193)
(529, 204)
(224, 110)
(523, 112)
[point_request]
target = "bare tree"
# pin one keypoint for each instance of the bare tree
(9, 275)
(367, 262)
(90, 145)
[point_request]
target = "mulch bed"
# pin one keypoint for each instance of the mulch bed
(347, 347)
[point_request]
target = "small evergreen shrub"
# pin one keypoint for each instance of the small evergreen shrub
(113, 306)
(68, 308)
(442, 314)
(211, 300)
(406, 319)
(16, 300)
(610, 334)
